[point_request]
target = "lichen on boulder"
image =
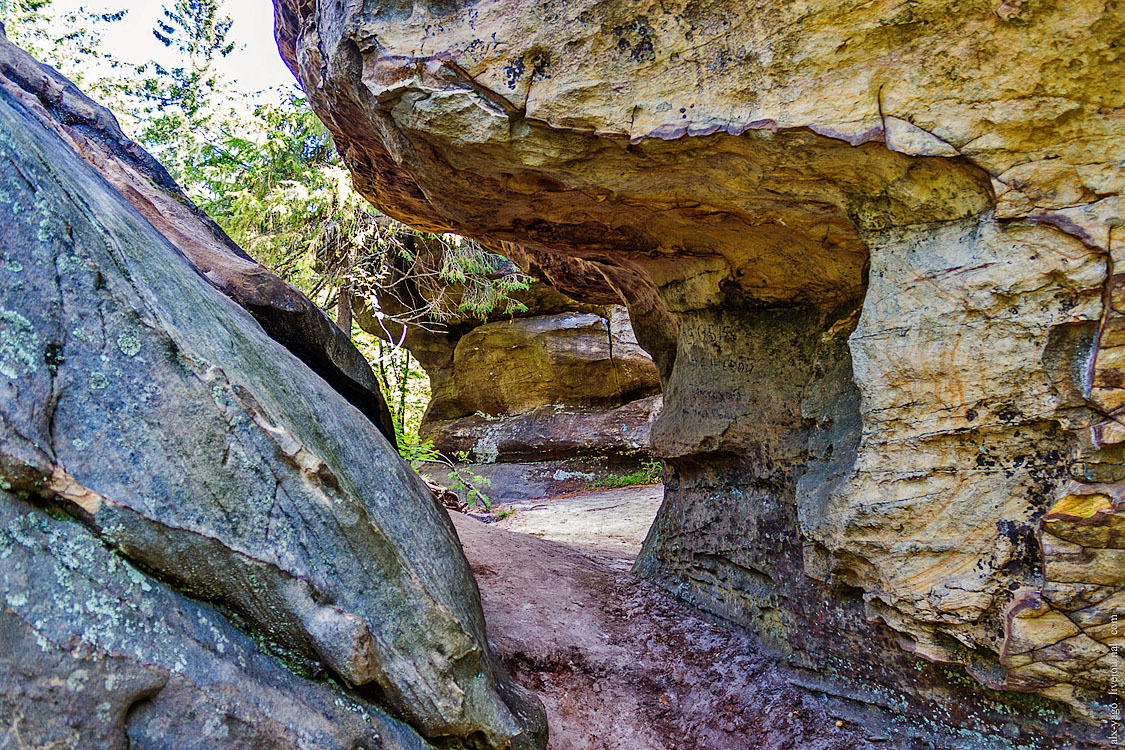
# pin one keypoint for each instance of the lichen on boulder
(98, 654)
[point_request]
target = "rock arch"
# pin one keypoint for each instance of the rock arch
(869, 246)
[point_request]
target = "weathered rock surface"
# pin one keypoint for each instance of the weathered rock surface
(286, 314)
(871, 248)
(139, 399)
(511, 367)
(550, 433)
(98, 654)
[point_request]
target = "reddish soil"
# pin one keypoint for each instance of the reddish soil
(618, 663)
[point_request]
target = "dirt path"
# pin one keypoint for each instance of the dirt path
(620, 665)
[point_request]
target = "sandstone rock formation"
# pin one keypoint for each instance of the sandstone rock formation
(553, 433)
(871, 248)
(554, 380)
(509, 367)
(201, 458)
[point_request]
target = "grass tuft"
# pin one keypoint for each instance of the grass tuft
(649, 473)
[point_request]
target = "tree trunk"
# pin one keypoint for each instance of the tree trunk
(344, 311)
(403, 384)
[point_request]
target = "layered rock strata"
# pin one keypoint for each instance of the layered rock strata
(197, 474)
(553, 379)
(871, 248)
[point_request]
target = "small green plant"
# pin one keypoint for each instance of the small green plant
(649, 473)
(470, 483)
(507, 512)
(418, 452)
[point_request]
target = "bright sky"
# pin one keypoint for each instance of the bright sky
(254, 65)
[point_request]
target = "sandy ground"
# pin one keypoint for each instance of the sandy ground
(608, 524)
(620, 665)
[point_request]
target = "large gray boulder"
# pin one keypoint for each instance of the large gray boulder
(96, 653)
(141, 400)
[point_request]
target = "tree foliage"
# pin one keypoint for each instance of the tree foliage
(280, 190)
(70, 40)
(199, 31)
(182, 108)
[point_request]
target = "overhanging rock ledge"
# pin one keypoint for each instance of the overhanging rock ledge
(871, 249)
